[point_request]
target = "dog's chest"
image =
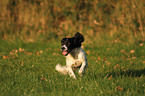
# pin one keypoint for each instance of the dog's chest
(75, 58)
(72, 57)
(74, 61)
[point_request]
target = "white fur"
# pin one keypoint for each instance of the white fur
(76, 55)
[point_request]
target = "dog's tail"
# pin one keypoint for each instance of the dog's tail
(61, 69)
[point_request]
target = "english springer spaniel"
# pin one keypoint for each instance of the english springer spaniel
(75, 56)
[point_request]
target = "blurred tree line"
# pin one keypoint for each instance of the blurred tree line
(52, 18)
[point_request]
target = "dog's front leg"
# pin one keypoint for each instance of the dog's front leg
(83, 67)
(69, 69)
(71, 73)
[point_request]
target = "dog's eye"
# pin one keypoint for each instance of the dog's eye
(68, 43)
(62, 42)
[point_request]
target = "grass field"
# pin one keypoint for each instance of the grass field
(30, 34)
(29, 69)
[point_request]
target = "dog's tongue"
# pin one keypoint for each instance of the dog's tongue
(64, 53)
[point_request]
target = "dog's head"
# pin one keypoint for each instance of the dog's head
(68, 44)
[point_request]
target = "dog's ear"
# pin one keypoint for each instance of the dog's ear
(79, 37)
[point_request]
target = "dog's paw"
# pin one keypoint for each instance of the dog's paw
(73, 76)
(57, 67)
(81, 73)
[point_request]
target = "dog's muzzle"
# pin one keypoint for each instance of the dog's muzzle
(64, 50)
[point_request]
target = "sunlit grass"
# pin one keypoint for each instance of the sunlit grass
(30, 34)
(29, 69)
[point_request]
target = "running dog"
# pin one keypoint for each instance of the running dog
(75, 56)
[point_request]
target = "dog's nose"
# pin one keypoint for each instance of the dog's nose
(62, 48)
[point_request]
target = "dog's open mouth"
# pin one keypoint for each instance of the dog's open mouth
(64, 53)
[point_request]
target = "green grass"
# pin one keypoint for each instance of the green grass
(116, 58)
(114, 69)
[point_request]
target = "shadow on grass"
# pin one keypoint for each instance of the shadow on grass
(128, 73)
